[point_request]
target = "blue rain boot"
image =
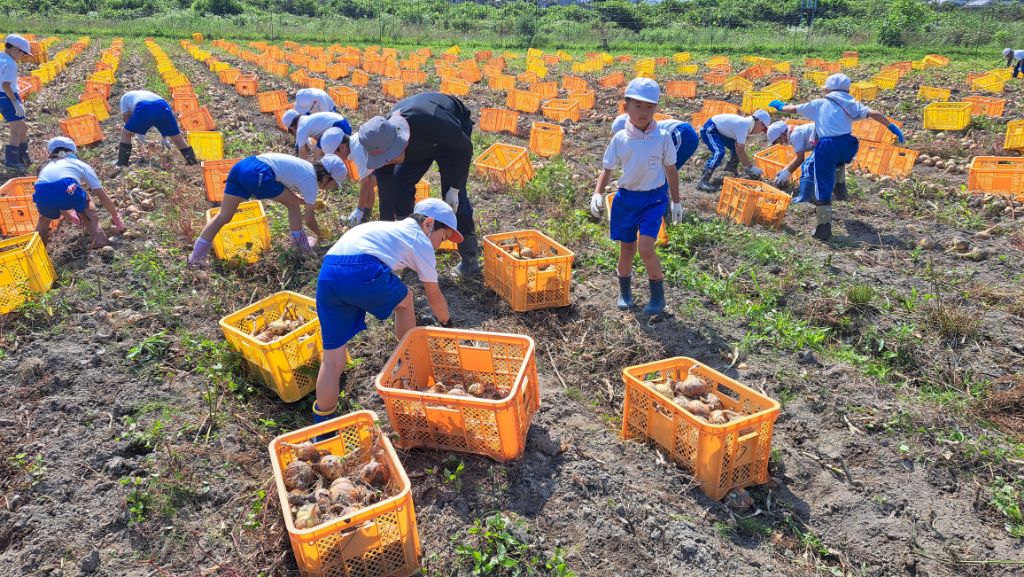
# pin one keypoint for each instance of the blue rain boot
(321, 416)
(625, 293)
(657, 304)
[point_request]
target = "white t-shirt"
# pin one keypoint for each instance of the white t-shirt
(398, 245)
(803, 138)
(314, 125)
(833, 116)
(9, 71)
(73, 168)
(310, 100)
(1018, 54)
(734, 126)
(133, 97)
(296, 174)
(643, 160)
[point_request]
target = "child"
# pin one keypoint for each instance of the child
(730, 132)
(358, 277)
(1012, 55)
(311, 100)
(684, 137)
(802, 138)
(833, 118)
(16, 153)
(59, 190)
(312, 126)
(279, 177)
(647, 156)
(142, 110)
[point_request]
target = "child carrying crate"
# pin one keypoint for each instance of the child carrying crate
(833, 116)
(358, 277)
(647, 155)
(59, 189)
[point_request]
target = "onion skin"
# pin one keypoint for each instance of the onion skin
(696, 408)
(331, 467)
(299, 475)
(307, 517)
(374, 474)
(693, 386)
(713, 401)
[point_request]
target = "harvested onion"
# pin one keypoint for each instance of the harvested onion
(331, 467)
(299, 475)
(696, 408)
(374, 474)
(307, 517)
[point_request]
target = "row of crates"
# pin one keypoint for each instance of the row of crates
(49, 69)
(83, 122)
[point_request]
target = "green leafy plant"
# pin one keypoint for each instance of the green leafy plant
(1007, 498)
(150, 348)
(491, 547)
(34, 467)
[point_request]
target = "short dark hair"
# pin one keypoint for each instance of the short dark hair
(321, 172)
(421, 218)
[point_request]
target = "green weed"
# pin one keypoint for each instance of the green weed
(151, 348)
(35, 467)
(491, 547)
(1007, 498)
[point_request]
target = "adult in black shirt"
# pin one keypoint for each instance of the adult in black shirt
(421, 130)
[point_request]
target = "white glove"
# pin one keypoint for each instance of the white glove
(166, 143)
(452, 198)
(19, 108)
(677, 213)
(754, 172)
(782, 177)
(597, 205)
(355, 218)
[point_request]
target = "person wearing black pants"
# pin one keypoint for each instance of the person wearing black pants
(421, 130)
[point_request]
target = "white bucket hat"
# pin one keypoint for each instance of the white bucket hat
(19, 42)
(331, 139)
(838, 81)
(61, 142)
(763, 117)
(776, 130)
(289, 117)
(335, 167)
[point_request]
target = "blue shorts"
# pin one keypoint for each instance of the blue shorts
(153, 114)
(65, 194)
(349, 287)
(640, 211)
(7, 108)
(685, 138)
(252, 178)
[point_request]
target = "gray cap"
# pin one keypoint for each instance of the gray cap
(381, 139)
(19, 42)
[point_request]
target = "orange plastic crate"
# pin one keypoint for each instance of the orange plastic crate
(546, 90)
(454, 87)
(97, 86)
(501, 82)
(528, 77)
(272, 100)
(182, 90)
(413, 77)
(199, 119)
(715, 78)
(279, 116)
(613, 80)
(18, 214)
(986, 106)
(84, 130)
(505, 164)
(868, 129)
(997, 175)
(574, 84)
(360, 78)
(585, 99)
(185, 103)
(345, 97)
(247, 84)
(378, 541)
(752, 202)
(546, 139)
(533, 284)
(337, 71)
(774, 158)
(229, 76)
(494, 428)
(560, 109)
(215, 175)
(681, 88)
(713, 107)
(393, 88)
(523, 101)
(720, 457)
(884, 159)
(498, 120)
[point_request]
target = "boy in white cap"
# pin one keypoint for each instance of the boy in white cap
(312, 126)
(313, 100)
(802, 139)
(13, 110)
(1012, 56)
(398, 150)
(142, 110)
(283, 178)
(59, 190)
(647, 156)
(729, 133)
(833, 117)
(358, 277)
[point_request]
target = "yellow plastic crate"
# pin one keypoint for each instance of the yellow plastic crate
(1014, 135)
(89, 106)
(754, 100)
(782, 89)
(885, 80)
(287, 365)
(947, 116)
(816, 76)
(993, 83)
(246, 236)
(25, 270)
(933, 94)
(208, 145)
(864, 91)
(738, 84)
(687, 69)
